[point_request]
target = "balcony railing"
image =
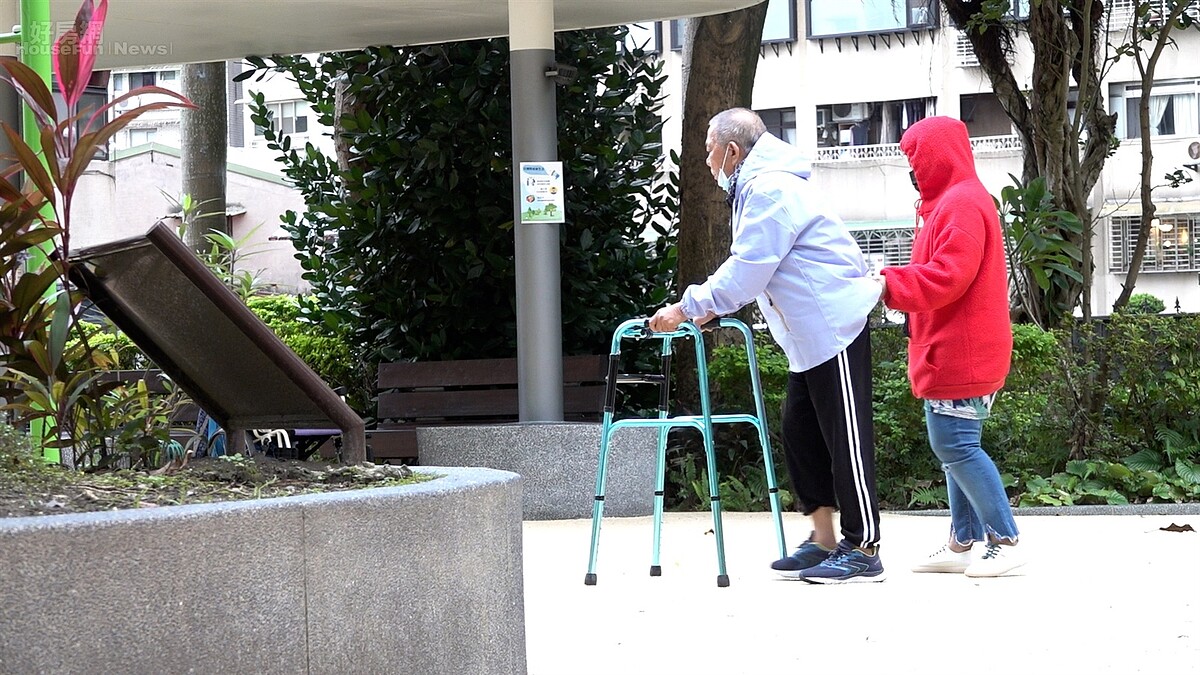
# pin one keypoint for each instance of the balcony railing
(850, 153)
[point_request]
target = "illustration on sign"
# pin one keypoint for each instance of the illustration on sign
(542, 197)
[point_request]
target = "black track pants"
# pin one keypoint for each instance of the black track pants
(829, 440)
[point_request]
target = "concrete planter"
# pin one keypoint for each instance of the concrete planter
(557, 461)
(366, 581)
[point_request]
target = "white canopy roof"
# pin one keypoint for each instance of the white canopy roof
(155, 32)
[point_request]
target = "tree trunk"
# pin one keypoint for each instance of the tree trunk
(1066, 46)
(204, 135)
(720, 59)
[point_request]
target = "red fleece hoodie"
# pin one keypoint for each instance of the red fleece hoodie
(955, 290)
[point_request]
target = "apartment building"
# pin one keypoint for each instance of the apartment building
(141, 174)
(843, 80)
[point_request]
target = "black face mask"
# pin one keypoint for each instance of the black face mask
(912, 175)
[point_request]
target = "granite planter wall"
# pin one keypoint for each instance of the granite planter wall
(557, 461)
(365, 581)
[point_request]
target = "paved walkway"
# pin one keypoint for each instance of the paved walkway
(1102, 594)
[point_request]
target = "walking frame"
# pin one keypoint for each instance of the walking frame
(639, 329)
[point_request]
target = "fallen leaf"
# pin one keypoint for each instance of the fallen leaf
(1177, 528)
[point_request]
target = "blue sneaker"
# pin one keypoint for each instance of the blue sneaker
(846, 565)
(808, 554)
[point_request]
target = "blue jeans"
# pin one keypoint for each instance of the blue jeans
(979, 507)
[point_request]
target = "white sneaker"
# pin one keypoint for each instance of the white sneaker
(996, 561)
(945, 560)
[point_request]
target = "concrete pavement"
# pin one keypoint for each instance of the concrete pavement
(1101, 594)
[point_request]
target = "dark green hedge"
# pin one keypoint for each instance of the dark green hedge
(1147, 447)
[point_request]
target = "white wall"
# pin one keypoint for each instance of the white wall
(122, 198)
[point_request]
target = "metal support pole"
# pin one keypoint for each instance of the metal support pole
(535, 139)
(36, 38)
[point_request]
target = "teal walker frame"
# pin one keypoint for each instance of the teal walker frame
(638, 329)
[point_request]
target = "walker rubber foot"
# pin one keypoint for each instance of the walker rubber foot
(590, 579)
(656, 570)
(722, 580)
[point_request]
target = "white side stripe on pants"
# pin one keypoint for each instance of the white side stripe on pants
(849, 410)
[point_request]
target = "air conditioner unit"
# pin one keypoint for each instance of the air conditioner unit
(851, 112)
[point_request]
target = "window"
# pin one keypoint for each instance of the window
(1171, 247)
(146, 79)
(118, 81)
(1173, 109)
(95, 96)
(984, 116)
(871, 123)
(780, 24)
(781, 122)
(289, 117)
(828, 18)
(141, 136)
(168, 75)
(1121, 12)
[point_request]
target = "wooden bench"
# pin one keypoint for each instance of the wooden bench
(472, 391)
(438, 393)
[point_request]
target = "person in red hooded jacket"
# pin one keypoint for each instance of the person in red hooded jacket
(955, 293)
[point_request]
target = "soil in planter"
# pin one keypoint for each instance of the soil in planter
(28, 487)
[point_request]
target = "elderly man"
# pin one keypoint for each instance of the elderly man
(792, 254)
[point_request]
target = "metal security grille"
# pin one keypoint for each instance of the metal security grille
(894, 244)
(1121, 12)
(1171, 247)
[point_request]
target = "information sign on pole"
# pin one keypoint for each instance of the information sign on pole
(541, 192)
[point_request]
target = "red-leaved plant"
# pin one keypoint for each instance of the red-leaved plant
(41, 380)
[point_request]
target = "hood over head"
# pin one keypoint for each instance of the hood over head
(939, 151)
(771, 154)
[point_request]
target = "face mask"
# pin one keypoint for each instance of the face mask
(722, 177)
(912, 175)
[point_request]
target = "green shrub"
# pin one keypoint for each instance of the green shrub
(326, 353)
(743, 485)
(906, 471)
(1026, 432)
(410, 251)
(1144, 303)
(1149, 448)
(111, 348)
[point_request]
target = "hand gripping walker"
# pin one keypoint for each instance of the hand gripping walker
(638, 329)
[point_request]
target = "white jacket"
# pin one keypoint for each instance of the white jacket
(792, 254)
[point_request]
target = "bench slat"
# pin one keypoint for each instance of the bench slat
(481, 403)
(391, 444)
(480, 372)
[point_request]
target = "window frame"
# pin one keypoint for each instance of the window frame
(934, 22)
(1163, 251)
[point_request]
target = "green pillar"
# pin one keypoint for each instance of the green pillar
(37, 37)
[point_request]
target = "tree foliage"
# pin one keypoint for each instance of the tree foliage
(408, 237)
(1067, 151)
